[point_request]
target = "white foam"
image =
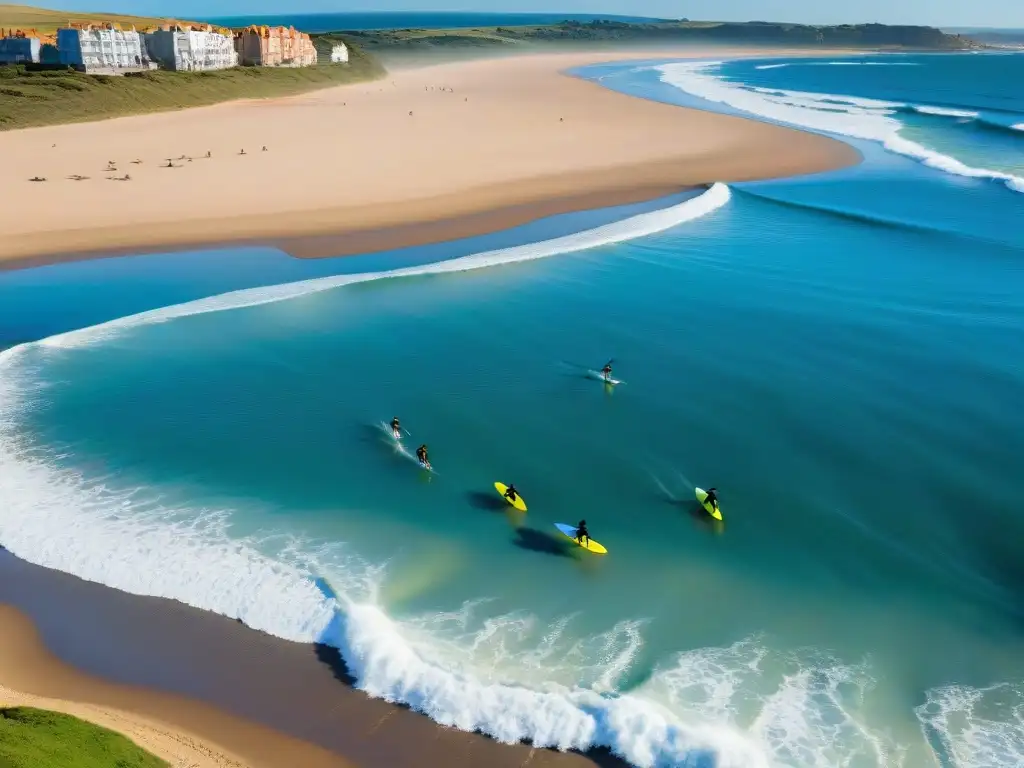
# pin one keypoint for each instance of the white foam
(839, 64)
(863, 63)
(975, 727)
(1018, 127)
(843, 115)
(640, 225)
(943, 111)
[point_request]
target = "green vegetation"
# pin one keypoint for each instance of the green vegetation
(30, 738)
(46, 22)
(31, 97)
(873, 36)
(34, 95)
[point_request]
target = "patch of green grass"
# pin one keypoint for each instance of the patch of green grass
(46, 21)
(45, 97)
(34, 738)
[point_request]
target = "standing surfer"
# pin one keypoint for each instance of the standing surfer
(421, 454)
(582, 533)
(607, 371)
(396, 428)
(712, 499)
(510, 493)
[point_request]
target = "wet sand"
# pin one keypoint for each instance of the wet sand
(189, 676)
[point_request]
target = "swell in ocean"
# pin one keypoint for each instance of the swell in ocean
(843, 115)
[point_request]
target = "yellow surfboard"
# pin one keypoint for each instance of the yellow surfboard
(518, 503)
(701, 496)
(569, 531)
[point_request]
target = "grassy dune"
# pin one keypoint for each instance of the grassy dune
(46, 22)
(32, 98)
(31, 738)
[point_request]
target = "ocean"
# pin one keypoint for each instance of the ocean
(842, 355)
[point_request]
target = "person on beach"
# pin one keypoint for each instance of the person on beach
(510, 493)
(582, 532)
(712, 498)
(421, 454)
(396, 428)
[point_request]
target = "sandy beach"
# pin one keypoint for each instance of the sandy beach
(427, 154)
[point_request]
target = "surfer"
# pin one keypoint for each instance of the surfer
(510, 493)
(712, 498)
(421, 454)
(607, 371)
(582, 532)
(396, 428)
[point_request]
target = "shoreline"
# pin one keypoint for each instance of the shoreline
(519, 144)
(388, 238)
(159, 669)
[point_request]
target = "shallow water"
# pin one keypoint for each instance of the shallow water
(840, 355)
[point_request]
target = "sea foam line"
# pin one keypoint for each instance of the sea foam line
(631, 228)
(944, 112)
(839, 64)
(856, 117)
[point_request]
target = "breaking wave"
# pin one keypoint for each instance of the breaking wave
(858, 118)
(633, 227)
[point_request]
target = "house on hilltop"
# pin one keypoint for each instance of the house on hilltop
(102, 49)
(191, 49)
(260, 46)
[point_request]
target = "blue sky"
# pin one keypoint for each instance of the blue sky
(995, 13)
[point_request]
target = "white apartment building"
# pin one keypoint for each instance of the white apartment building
(191, 50)
(101, 49)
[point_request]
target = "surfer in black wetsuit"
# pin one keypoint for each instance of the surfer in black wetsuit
(607, 371)
(421, 454)
(712, 498)
(510, 493)
(396, 428)
(582, 532)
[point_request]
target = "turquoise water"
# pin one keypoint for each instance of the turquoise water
(840, 354)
